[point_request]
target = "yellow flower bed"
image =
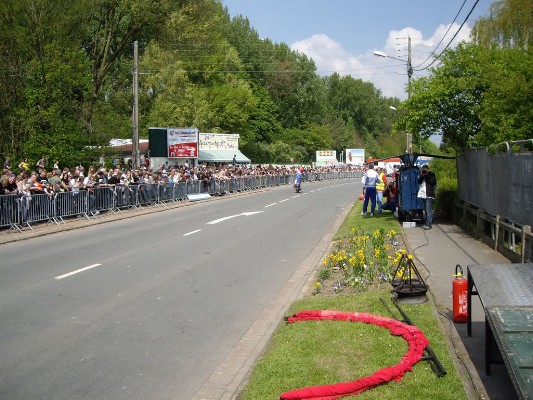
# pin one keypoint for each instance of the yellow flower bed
(365, 260)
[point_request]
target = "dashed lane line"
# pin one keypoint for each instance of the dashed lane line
(77, 271)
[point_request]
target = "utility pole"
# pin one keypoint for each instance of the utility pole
(409, 136)
(409, 74)
(135, 115)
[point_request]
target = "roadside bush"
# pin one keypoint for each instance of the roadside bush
(447, 188)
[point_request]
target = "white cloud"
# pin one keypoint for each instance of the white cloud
(329, 56)
(387, 74)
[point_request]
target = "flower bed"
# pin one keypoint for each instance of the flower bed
(361, 261)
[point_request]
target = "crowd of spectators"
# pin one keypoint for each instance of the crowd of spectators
(41, 180)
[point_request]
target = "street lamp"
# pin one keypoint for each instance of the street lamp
(409, 75)
(408, 63)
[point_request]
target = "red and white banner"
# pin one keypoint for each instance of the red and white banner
(182, 142)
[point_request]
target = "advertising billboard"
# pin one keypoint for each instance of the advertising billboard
(219, 141)
(326, 157)
(355, 156)
(182, 142)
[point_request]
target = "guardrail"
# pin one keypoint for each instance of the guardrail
(513, 240)
(19, 211)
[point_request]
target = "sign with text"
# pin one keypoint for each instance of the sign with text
(182, 142)
(326, 157)
(219, 141)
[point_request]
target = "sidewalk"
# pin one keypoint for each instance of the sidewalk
(437, 252)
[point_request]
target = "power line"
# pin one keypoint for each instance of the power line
(447, 31)
(451, 40)
(282, 71)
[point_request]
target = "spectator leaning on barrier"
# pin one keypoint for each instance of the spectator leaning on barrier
(89, 184)
(65, 176)
(55, 181)
(115, 177)
(8, 184)
(43, 176)
(34, 186)
(22, 186)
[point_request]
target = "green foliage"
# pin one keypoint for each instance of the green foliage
(55, 92)
(231, 106)
(281, 153)
(447, 187)
(357, 102)
(200, 67)
(313, 138)
(354, 221)
(507, 109)
(508, 25)
(324, 274)
(477, 97)
(258, 152)
(264, 125)
(390, 144)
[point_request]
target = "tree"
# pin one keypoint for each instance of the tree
(111, 28)
(507, 108)
(509, 24)
(66, 80)
(264, 123)
(477, 97)
(52, 114)
(175, 101)
(357, 102)
(28, 29)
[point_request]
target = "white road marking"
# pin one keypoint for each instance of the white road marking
(192, 233)
(246, 214)
(281, 201)
(216, 221)
(77, 271)
(270, 205)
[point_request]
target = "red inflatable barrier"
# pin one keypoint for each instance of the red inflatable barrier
(412, 335)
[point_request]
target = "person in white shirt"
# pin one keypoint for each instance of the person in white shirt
(371, 178)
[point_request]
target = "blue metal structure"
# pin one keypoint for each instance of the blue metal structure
(410, 207)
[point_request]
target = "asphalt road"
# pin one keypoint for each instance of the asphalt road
(149, 307)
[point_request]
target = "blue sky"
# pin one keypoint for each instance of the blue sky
(341, 35)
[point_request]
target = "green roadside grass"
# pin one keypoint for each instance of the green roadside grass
(326, 352)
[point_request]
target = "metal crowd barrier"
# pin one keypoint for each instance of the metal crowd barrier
(17, 211)
(9, 211)
(68, 204)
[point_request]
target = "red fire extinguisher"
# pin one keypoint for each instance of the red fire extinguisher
(460, 298)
